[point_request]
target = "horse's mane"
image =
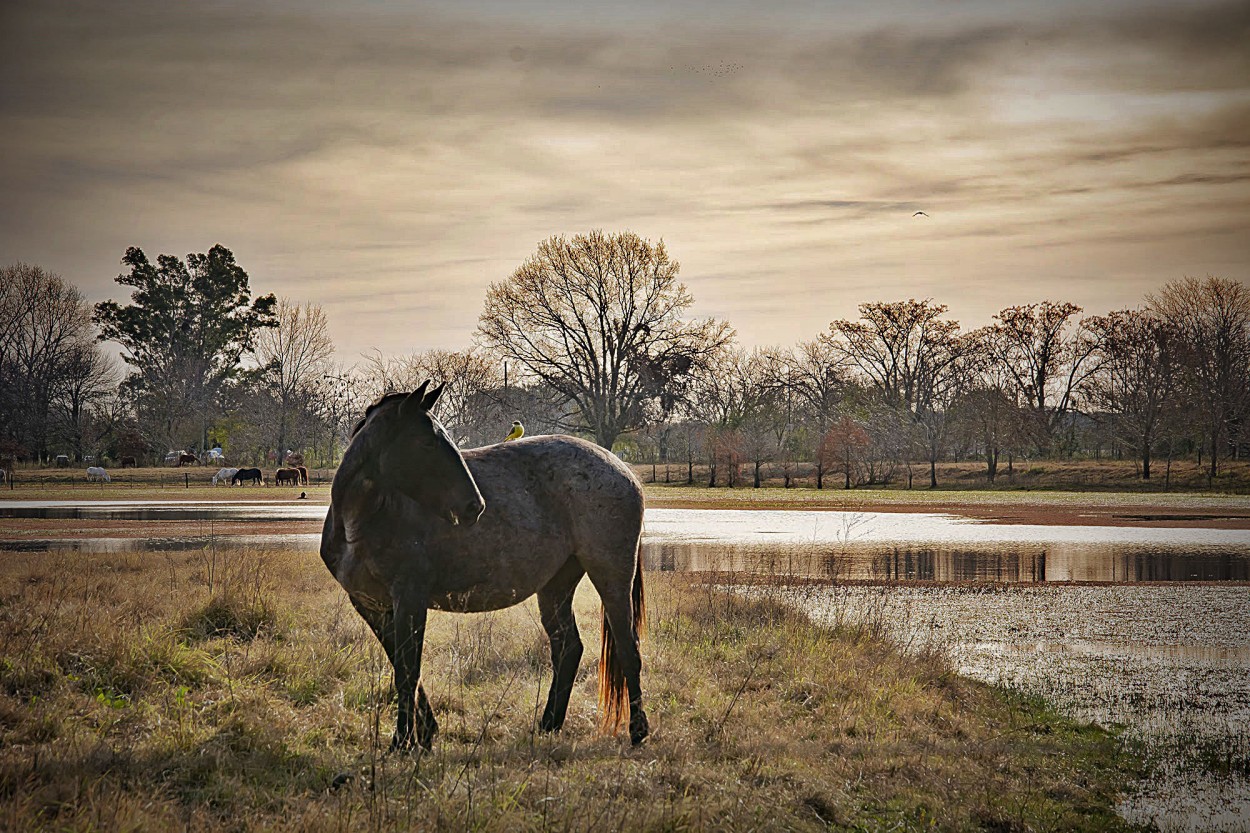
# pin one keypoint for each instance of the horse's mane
(377, 403)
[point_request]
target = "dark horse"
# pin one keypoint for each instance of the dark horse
(286, 476)
(241, 475)
(415, 525)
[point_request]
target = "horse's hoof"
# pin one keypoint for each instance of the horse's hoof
(638, 730)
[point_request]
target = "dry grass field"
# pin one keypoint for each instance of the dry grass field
(203, 691)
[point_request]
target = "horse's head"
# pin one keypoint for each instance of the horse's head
(422, 462)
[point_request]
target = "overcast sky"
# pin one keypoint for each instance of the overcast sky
(388, 160)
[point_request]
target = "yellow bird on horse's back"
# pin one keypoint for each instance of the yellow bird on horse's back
(518, 431)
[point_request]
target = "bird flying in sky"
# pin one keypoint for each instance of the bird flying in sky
(518, 431)
(920, 214)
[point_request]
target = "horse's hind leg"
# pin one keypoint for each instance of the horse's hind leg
(383, 626)
(555, 606)
(621, 618)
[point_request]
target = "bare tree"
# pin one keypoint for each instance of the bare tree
(292, 356)
(474, 406)
(45, 333)
(816, 385)
(909, 356)
(1046, 359)
(1136, 384)
(598, 318)
(717, 403)
(1212, 316)
(86, 393)
(987, 415)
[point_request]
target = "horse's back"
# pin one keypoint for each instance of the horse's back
(579, 495)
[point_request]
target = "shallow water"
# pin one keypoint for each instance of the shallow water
(1169, 663)
(866, 546)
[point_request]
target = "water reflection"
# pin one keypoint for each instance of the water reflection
(1107, 563)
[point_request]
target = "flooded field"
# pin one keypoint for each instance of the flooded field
(1169, 664)
(1145, 627)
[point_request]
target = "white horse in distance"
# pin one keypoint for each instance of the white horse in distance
(97, 473)
(224, 475)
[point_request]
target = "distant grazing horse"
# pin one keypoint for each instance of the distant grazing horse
(187, 460)
(224, 475)
(303, 474)
(97, 473)
(413, 525)
(130, 462)
(286, 476)
(242, 475)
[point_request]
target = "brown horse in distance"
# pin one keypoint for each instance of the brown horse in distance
(414, 524)
(303, 474)
(286, 476)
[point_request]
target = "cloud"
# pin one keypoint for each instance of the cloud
(422, 152)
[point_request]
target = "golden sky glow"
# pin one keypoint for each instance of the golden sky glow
(389, 160)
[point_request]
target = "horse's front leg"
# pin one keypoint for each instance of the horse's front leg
(416, 719)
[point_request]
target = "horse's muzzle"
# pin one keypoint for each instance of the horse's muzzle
(469, 514)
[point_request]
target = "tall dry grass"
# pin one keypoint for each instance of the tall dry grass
(239, 691)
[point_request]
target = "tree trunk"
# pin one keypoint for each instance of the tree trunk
(756, 484)
(605, 436)
(1215, 449)
(1145, 461)
(820, 475)
(991, 464)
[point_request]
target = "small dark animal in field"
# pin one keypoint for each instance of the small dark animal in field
(129, 463)
(414, 524)
(286, 476)
(245, 475)
(187, 460)
(303, 475)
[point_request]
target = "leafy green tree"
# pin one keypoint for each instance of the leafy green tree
(184, 333)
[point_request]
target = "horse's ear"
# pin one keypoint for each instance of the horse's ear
(432, 397)
(415, 401)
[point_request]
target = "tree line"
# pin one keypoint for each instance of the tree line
(591, 335)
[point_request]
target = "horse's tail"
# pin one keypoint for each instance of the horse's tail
(613, 698)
